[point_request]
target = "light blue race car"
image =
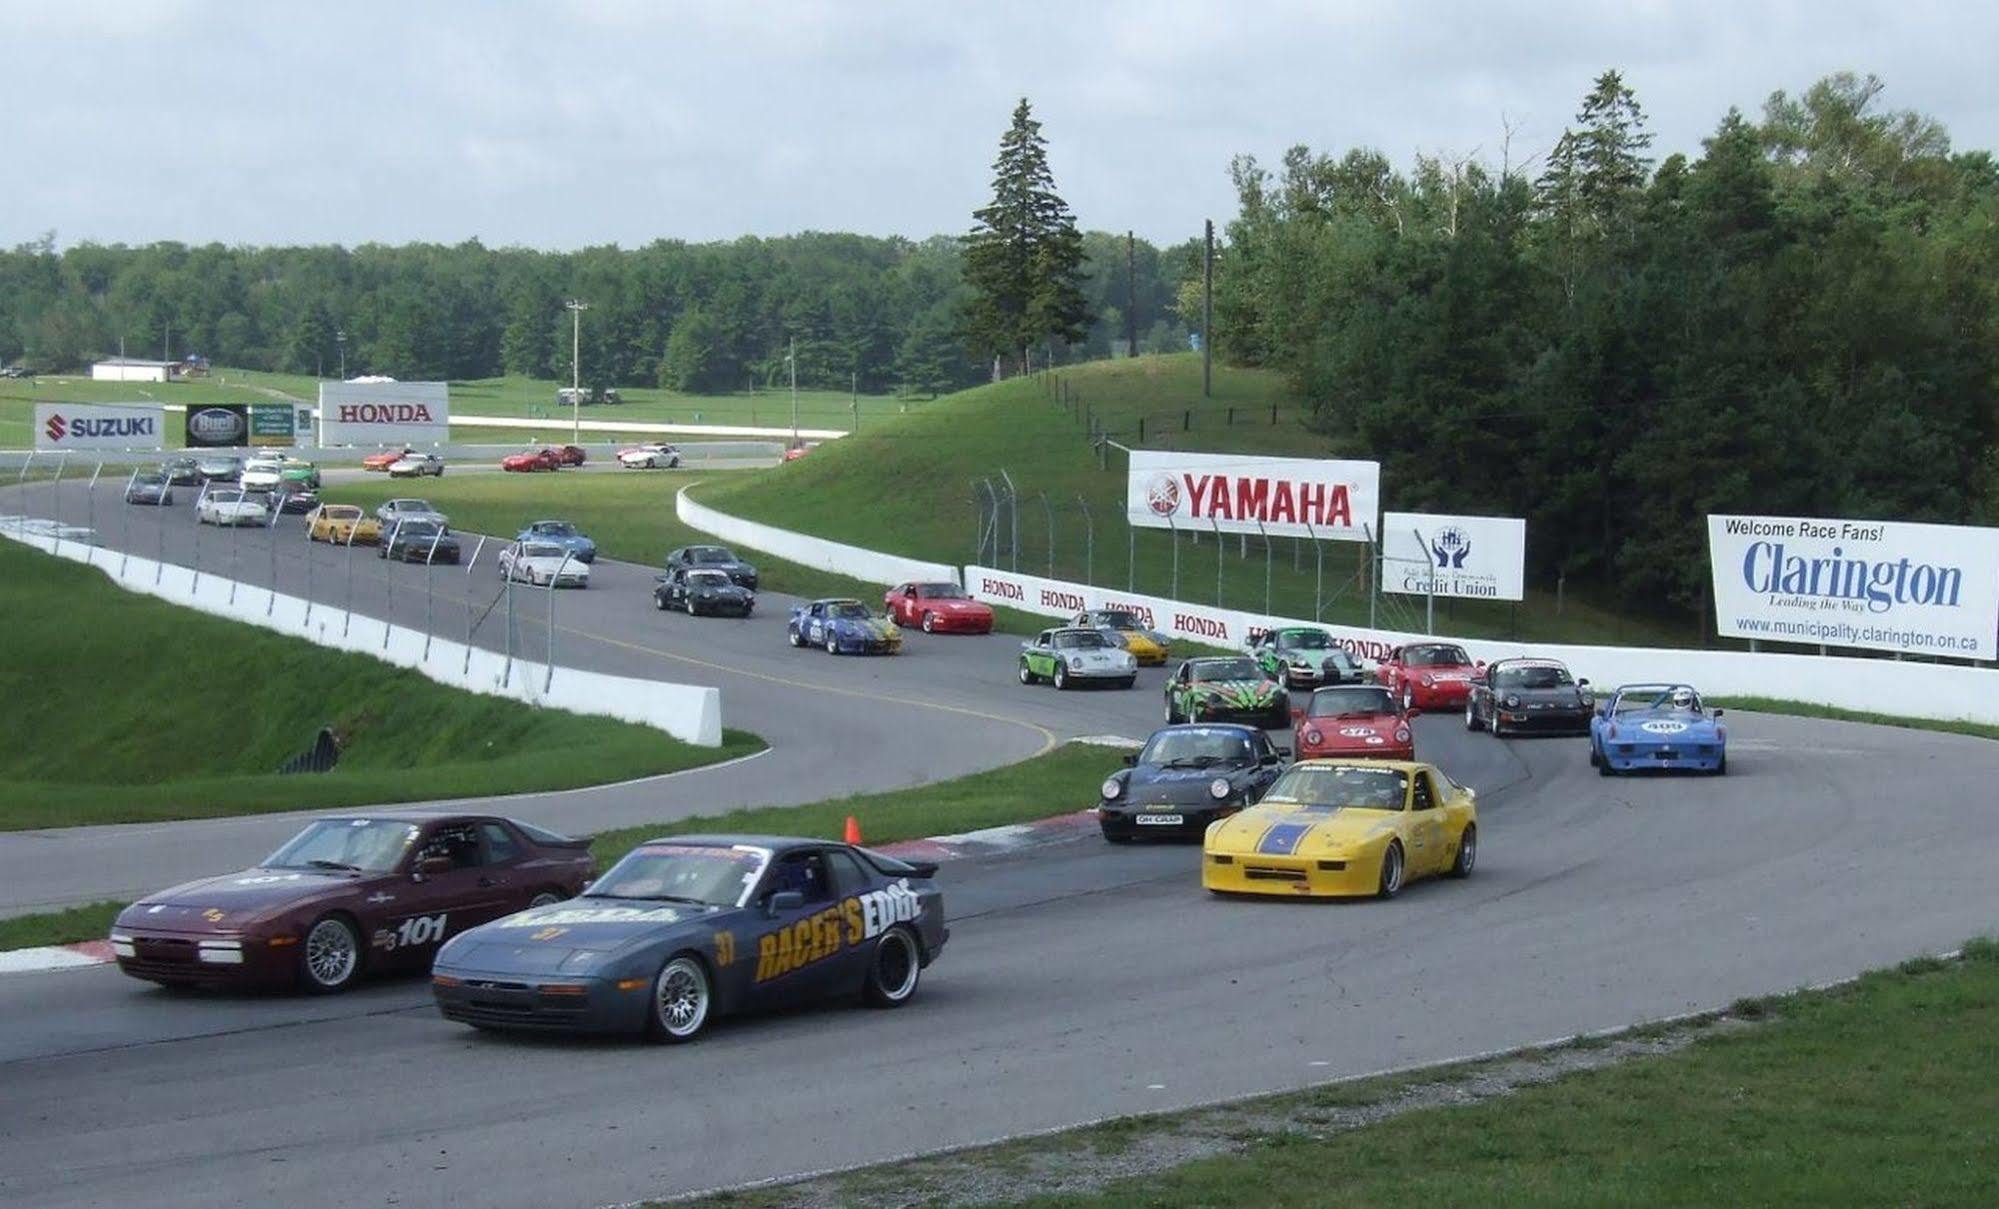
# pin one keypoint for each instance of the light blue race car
(561, 533)
(1644, 726)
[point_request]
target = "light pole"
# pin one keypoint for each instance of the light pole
(791, 359)
(340, 338)
(576, 309)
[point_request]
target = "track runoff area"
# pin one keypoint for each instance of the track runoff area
(1082, 979)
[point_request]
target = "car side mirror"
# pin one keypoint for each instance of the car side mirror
(1582, 683)
(1412, 712)
(1131, 760)
(781, 901)
(1278, 755)
(431, 865)
(1719, 712)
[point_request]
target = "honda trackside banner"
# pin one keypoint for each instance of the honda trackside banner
(1482, 557)
(384, 413)
(96, 426)
(1288, 497)
(1884, 585)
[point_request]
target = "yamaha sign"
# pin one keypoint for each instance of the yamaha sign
(384, 413)
(1279, 497)
(61, 426)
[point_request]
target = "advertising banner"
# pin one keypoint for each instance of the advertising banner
(1282, 497)
(96, 426)
(384, 413)
(1481, 557)
(272, 424)
(218, 426)
(1882, 585)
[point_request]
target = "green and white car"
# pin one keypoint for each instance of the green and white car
(1073, 655)
(1228, 688)
(1303, 656)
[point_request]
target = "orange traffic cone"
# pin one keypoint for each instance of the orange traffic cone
(853, 830)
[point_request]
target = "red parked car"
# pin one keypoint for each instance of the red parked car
(349, 895)
(385, 459)
(1429, 675)
(1354, 720)
(570, 455)
(940, 608)
(532, 460)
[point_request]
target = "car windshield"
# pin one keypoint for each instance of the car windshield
(710, 554)
(940, 592)
(1341, 786)
(149, 480)
(1079, 640)
(1532, 675)
(700, 873)
(1196, 748)
(370, 845)
(1343, 657)
(1350, 702)
(1227, 669)
(542, 550)
(848, 608)
(1648, 698)
(341, 512)
(1440, 655)
(224, 497)
(1304, 640)
(1117, 619)
(411, 506)
(707, 579)
(411, 529)
(555, 529)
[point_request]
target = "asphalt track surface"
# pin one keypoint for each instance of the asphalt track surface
(1081, 981)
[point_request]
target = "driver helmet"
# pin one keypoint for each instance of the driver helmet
(1683, 698)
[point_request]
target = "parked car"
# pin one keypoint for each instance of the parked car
(530, 461)
(385, 459)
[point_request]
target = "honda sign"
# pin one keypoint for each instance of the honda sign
(1289, 497)
(384, 413)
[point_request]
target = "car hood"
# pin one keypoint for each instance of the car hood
(1567, 694)
(730, 590)
(1356, 730)
(872, 628)
(1139, 638)
(1237, 692)
(1158, 783)
(953, 606)
(1278, 829)
(562, 937)
(568, 566)
(1307, 656)
(1665, 728)
(1453, 671)
(235, 896)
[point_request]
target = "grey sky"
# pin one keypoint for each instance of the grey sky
(591, 121)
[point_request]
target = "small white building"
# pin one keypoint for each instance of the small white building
(135, 369)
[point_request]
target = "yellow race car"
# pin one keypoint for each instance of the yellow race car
(1127, 630)
(1345, 828)
(344, 524)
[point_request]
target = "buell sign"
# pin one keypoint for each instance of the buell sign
(1287, 497)
(384, 413)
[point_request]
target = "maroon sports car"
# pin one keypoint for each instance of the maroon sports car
(349, 895)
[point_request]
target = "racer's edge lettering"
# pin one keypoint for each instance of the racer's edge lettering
(841, 926)
(1768, 570)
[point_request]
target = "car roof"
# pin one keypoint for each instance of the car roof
(1338, 762)
(1245, 731)
(828, 600)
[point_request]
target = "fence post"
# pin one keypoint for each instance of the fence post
(466, 670)
(389, 603)
(1013, 514)
(1049, 511)
(160, 563)
(1130, 554)
(55, 505)
(90, 512)
(311, 557)
(1319, 584)
(1187, 420)
(1141, 430)
(430, 591)
(347, 622)
(1089, 543)
(1374, 571)
(549, 681)
(271, 528)
(125, 520)
(1220, 551)
(1174, 531)
(1265, 534)
(507, 677)
(1273, 414)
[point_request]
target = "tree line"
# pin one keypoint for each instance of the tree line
(1802, 319)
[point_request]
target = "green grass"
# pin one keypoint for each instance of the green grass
(1056, 782)
(123, 708)
(907, 488)
(1807, 709)
(88, 922)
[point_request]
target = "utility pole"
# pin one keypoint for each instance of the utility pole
(1130, 294)
(340, 338)
(576, 310)
(791, 359)
(167, 342)
(1208, 314)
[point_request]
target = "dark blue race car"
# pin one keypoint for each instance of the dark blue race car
(1644, 726)
(842, 627)
(1186, 777)
(686, 929)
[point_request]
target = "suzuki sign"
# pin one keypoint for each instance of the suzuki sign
(384, 413)
(96, 426)
(1287, 497)
(1480, 557)
(1883, 585)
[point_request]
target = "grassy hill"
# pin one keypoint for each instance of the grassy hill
(123, 708)
(907, 486)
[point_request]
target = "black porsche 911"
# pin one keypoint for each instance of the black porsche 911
(689, 928)
(700, 590)
(1528, 696)
(1186, 777)
(418, 542)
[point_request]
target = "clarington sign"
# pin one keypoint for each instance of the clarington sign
(1883, 585)
(384, 413)
(1227, 493)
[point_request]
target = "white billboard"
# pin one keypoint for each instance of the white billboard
(1883, 585)
(1481, 557)
(1233, 493)
(384, 413)
(96, 426)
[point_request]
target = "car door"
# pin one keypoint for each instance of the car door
(900, 604)
(802, 951)
(815, 623)
(1427, 838)
(676, 587)
(1270, 765)
(447, 887)
(1041, 660)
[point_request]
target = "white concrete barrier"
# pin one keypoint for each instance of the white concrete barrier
(814, 552)
(648, 426)
(688, 712)
(1918, 690)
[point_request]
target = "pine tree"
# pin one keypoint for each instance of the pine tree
(1024, 258)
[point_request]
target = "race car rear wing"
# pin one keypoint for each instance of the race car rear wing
(894, 867)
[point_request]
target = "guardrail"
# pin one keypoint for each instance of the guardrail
(814, 552)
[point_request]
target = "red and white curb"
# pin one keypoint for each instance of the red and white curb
(988, 841)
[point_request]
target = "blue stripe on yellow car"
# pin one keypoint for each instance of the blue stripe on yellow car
(1282, 839)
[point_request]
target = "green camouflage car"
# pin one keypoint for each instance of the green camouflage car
(1226, 689)
(304, 473)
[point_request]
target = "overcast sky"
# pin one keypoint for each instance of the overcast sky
(563, 124)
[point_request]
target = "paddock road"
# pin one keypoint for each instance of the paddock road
(1081, 980)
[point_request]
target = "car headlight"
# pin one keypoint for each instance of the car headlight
(1512, 702)
(1426, 680)
(1111, 789)
(1313, 736)
(1402, 734)
(1219, 788)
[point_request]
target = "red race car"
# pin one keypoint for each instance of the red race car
(570, 455)
(940, 608)
(1354, 720)
(533, 460)
(1429, 675)
(385, 459)
(350, 895)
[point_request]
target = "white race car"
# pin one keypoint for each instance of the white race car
(390, 511)
(542, 563)
(231, 507)
(649, 457)
(416, 465)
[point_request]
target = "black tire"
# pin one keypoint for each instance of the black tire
(1471, 716)
(929, 622)
(1603, 768)
(1595, 761)
(546, 897)
(1112, 837)
(1061, 677)
(1494, 727)
(1127, 682)
(659, 602)
(1172, 715)
(792, 636)
(690, 606)
(683, 999)
(1721, 766)
(832, 643)
(894, 969)
(1467, 852)
(1392, 866)
(329, 959)
(1026, 676)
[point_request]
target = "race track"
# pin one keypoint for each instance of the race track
(1081, 980)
